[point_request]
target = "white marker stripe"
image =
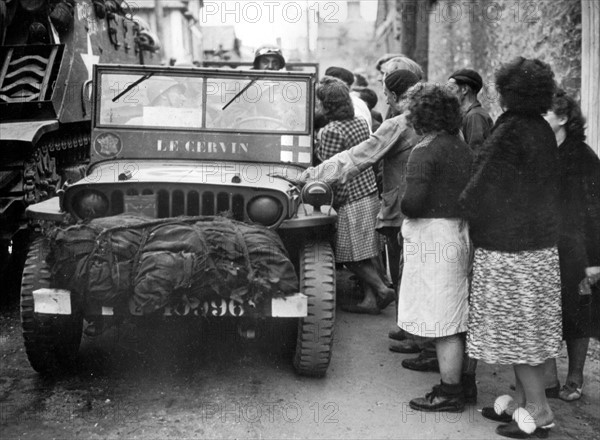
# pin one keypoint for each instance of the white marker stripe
(287, 156)
(287, 141)
(304, 141)
(304, 157)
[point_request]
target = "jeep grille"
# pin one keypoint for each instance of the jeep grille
(177, 200)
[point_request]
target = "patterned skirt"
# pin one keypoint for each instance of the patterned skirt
(515, 308)
(355, 237)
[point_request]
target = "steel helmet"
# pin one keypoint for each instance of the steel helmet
(157, 88)
(268, 50)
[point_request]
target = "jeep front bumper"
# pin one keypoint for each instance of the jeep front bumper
(58, 302)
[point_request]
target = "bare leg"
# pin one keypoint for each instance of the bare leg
(577, 350)
(367, 271)
(369, 301)
(450, 351)
(531, 380)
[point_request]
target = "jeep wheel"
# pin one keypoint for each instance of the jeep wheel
(51, 341)
(315, 332)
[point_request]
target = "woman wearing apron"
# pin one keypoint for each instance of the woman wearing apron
(434, 290)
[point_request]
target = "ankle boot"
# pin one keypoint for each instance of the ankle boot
(443, 397)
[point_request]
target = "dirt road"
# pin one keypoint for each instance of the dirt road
(170, 381)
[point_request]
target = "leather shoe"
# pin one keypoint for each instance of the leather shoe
(437, 400)
(512, 430)
(397, 335)
(421, 363)
(490, 413)
(405, 347)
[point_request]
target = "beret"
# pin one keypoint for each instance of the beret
(341, 73)
(399, 81)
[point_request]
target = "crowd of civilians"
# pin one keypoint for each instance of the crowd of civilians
(492, 229)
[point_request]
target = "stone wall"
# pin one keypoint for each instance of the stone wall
(483, 34)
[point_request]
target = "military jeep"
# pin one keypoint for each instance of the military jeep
(180, 143)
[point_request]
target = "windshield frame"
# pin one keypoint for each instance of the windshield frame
(206, 74)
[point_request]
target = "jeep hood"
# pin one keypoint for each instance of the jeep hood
(244, 174)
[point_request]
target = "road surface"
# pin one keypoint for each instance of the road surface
(172, 382)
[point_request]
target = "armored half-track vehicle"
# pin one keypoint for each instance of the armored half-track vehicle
(47, 49)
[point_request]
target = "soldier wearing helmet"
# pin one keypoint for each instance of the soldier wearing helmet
(268, 58)
(162, 93)
(168, 93)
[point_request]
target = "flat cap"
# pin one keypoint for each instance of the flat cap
(468, 77)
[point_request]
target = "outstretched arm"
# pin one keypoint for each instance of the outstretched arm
(346, 165)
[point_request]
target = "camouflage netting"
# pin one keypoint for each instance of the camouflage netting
(158, 262)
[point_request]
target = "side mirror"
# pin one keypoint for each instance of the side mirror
(86, 97)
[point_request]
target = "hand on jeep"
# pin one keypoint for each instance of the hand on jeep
(308, 175)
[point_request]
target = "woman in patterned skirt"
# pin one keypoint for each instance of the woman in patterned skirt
(512, 206)
(356, 243)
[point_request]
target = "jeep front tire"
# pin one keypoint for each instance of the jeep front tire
(51, 341)
(315, 331)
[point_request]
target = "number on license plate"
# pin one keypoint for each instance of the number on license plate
(213, 308)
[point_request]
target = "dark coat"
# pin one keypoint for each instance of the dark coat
(476, 125)
(580, 202)
(512, 199)
(579, 237)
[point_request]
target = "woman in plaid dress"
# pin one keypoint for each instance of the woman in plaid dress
(356, 242)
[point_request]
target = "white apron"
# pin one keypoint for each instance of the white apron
(434, 290)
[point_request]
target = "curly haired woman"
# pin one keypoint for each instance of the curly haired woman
(512, 206)
(579, 240)
(434, 290)
(356, 242)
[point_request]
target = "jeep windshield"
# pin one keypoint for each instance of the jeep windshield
(180, 113)
(203, 101)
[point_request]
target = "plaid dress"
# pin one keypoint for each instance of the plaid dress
(356, 201)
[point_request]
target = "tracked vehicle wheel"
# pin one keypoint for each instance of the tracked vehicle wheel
(315, 332)
(51, 341)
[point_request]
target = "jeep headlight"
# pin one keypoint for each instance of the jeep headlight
(265, 210)
(317, 194)
(89, 204)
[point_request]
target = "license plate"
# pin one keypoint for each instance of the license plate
(142, 205)
(213, 308)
